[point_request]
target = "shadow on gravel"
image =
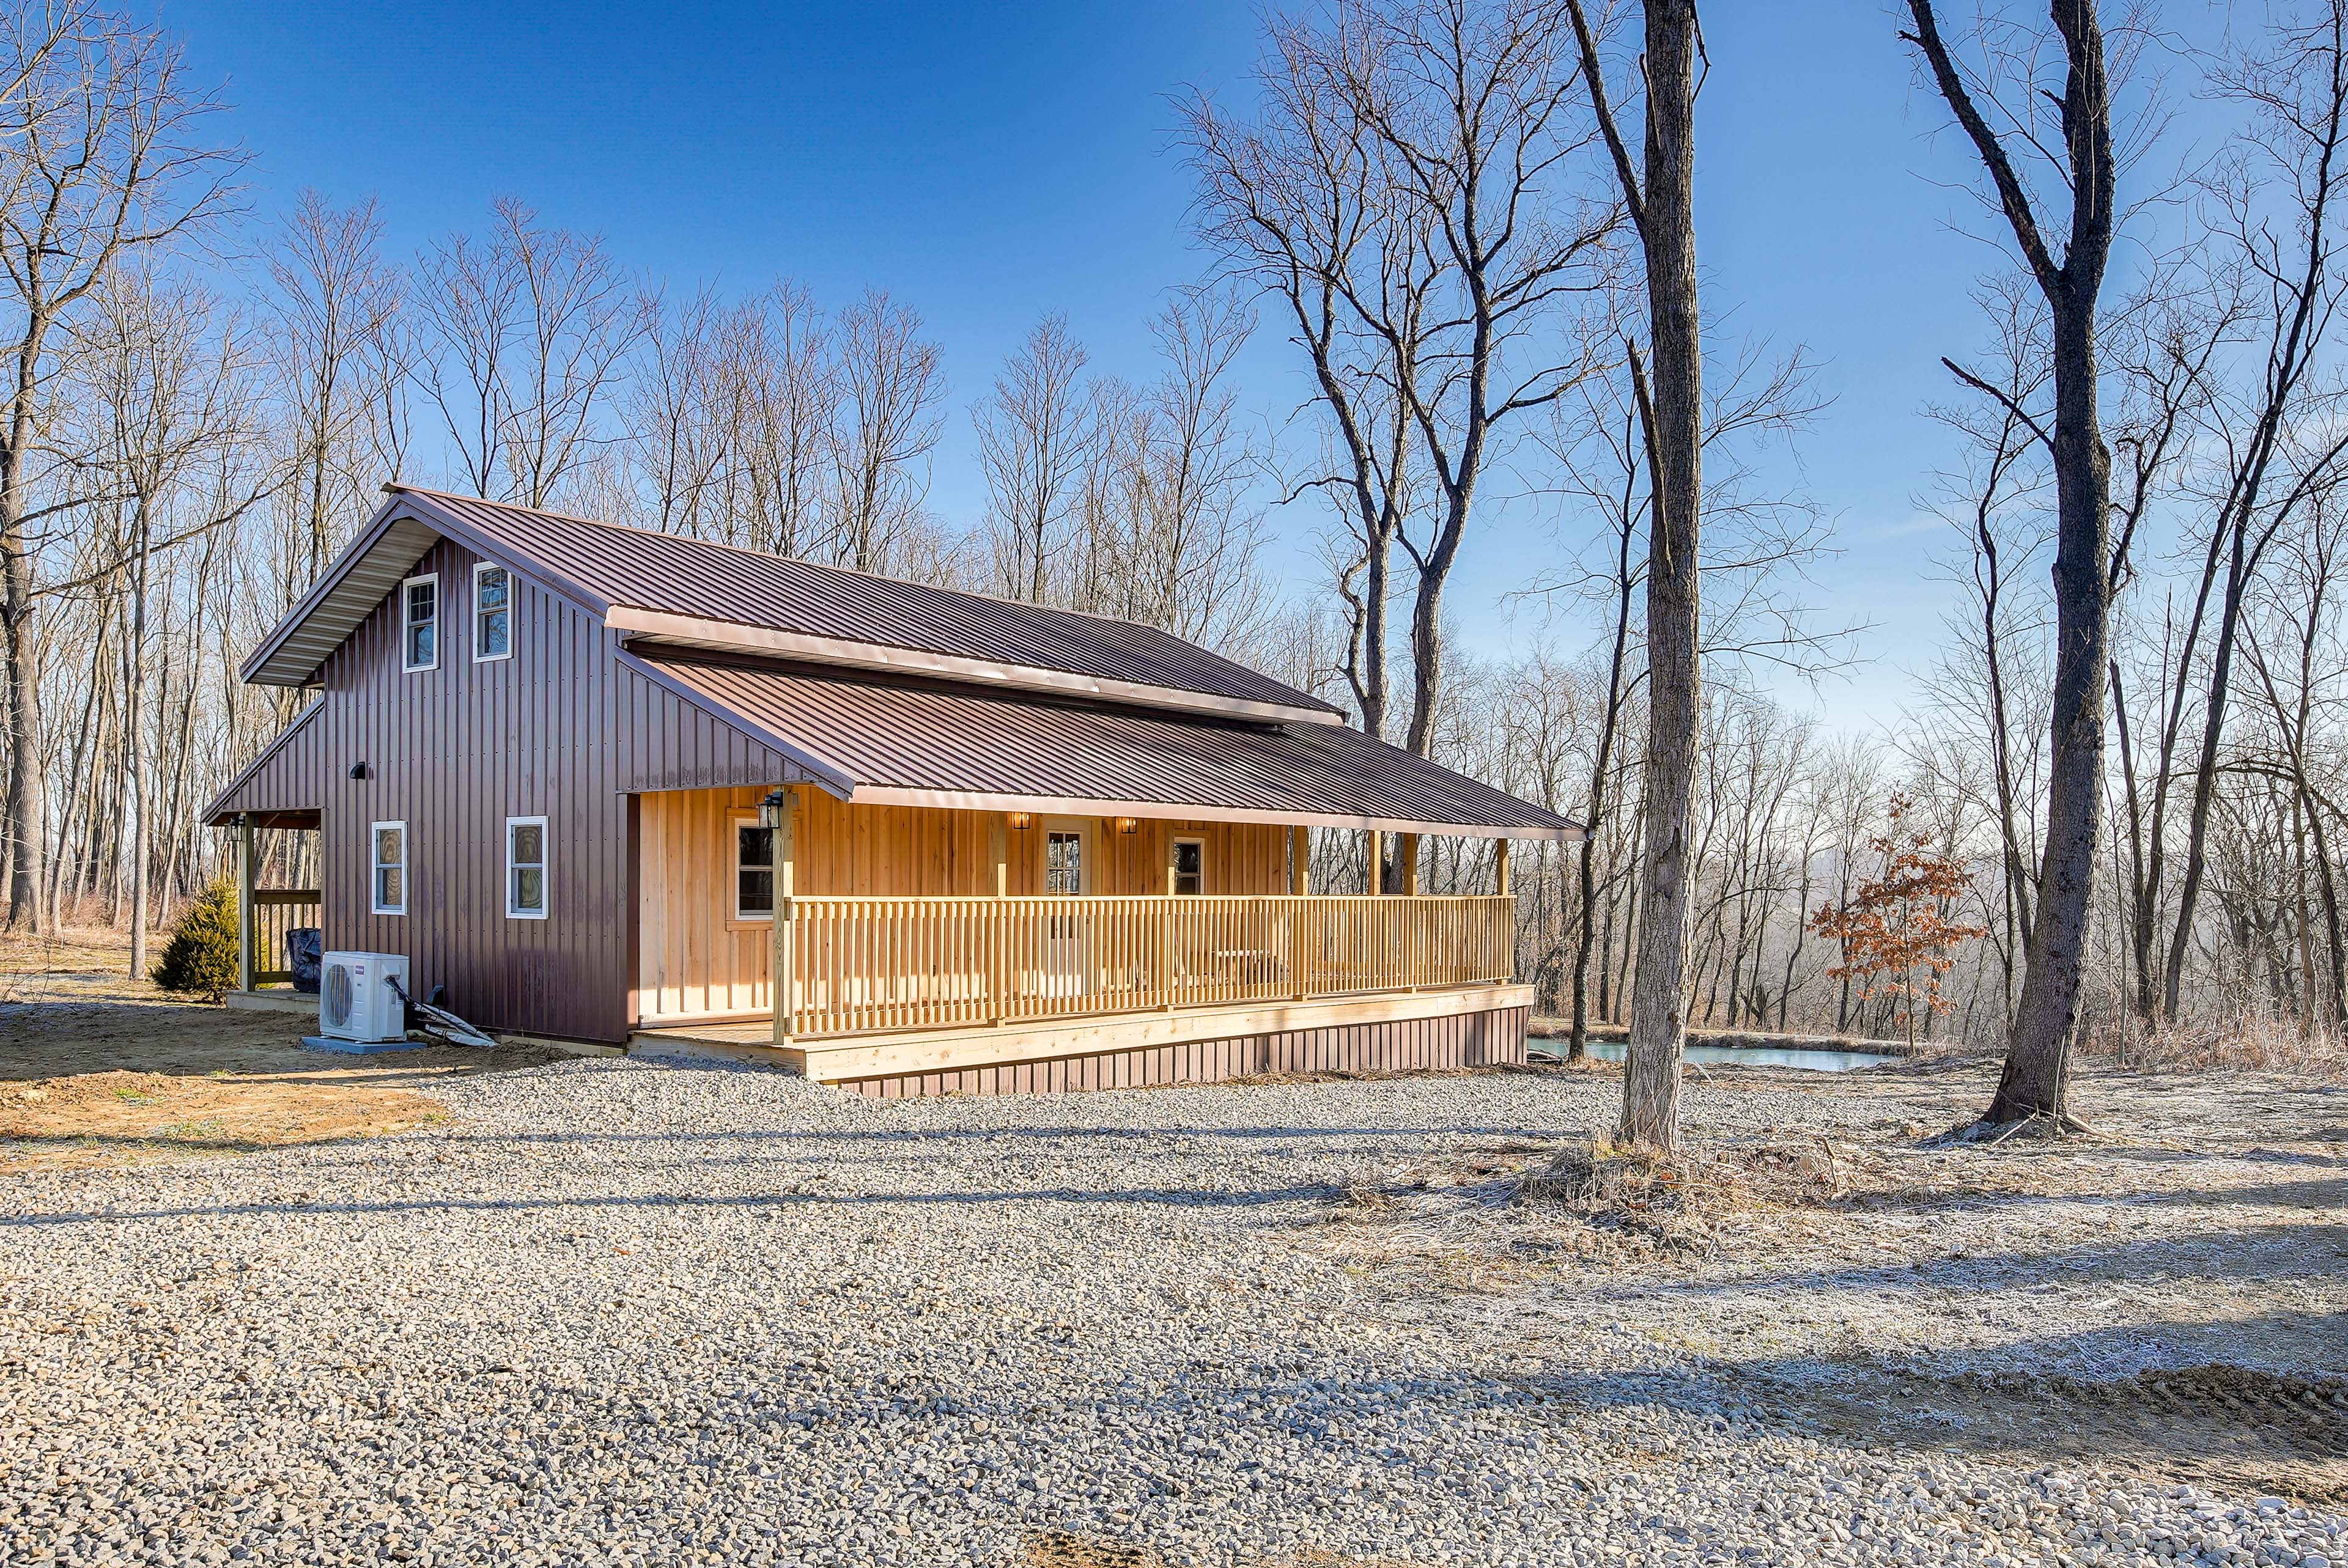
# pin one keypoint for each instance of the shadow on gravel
(1186, 1197)
(2325, 1193)
(2261, 1252)
(2198, 1420)
(1020, 1134)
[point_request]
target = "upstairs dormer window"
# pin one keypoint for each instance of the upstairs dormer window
(419, 623)
(493, 613)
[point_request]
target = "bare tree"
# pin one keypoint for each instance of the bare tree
(1295, 198)
(1662, 203)
(1034, 440)
(106, 154)
(787, 389)
(531, 327)
(2298, 89)
(1413, 193)
(2036, 1081)
(332, 311)
(891, 390)
(164, 389)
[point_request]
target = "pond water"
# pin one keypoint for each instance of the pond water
(1811, 1060)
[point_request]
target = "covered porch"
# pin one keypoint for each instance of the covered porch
(934, 949)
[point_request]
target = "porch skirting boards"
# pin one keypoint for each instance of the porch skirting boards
(274, 998)
(1470, 1026)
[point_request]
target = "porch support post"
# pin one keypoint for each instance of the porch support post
(1300, 931)
(998, 961)
(1410, 864)
(1500, 866)
(1377, 877)
(782, 982)
(244, 880)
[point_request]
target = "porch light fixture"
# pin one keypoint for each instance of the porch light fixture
(772, 809)
(1023, 820)
(1127, 824)
(359, 770)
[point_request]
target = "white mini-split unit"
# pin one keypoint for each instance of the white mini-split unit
(355, 999)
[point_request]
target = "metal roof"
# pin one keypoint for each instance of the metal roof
(346, 594)
(677, 575)
(937, 745)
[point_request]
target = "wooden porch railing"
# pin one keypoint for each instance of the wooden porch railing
(870, 965)
(274, 912)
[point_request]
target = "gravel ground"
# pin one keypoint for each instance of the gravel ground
(620, 1312)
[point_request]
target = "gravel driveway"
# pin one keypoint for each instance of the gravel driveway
(621, 1312)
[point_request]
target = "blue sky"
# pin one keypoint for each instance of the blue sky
(988, 165)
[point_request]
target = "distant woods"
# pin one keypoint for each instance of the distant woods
(1428, 350)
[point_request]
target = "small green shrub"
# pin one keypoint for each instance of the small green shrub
(200, 956)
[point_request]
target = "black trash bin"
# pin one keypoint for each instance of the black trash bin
(304, 945)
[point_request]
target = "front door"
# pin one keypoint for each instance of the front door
(1067, 937)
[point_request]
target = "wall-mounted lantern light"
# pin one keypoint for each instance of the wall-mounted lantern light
(1127, 824)
(774, 808)
(1023, 820)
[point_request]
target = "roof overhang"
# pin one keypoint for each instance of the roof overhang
(871, 741)
(379, 555)
(1163, 811)
(667, 630)
(224, 809)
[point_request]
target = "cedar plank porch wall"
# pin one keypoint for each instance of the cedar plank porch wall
(697, 961)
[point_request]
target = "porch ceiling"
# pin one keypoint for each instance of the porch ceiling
(916, 745)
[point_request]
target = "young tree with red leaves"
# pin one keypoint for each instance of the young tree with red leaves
(1896, 935)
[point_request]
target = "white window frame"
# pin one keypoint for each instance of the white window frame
(545, 854)
(405, 625)
(737, 917)
(1174, 862)
(1084, 836)
(479, 657)
(377, 866)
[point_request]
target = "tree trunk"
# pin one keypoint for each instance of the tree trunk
(2036, 1080)
(24, 823)
(1651, 1079)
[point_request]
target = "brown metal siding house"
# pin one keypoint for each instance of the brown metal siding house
(1023, 847)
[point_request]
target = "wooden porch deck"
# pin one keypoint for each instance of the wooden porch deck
(1453, 1026)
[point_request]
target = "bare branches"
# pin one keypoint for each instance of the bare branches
(531, 327)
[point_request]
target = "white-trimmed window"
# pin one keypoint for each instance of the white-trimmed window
(1190, 865)
(419, 622)
(493, 613)
(525, 868)
(389, 841)
(1063, 862)
(753, 870)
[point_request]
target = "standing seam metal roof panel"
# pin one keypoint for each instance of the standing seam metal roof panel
(680, 575)
(950, 742)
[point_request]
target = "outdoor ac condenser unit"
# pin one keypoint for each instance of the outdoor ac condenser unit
(356, 1001)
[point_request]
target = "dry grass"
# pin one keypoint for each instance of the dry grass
(99, 1069)
(2245, 1041)
(123, 1118)
(75, 964)
(1683, 1202)
(1493, 1216)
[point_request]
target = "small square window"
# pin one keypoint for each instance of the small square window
(754, 872)
(493, 613)
(390, 879)
(419, 623)
(526, 868)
